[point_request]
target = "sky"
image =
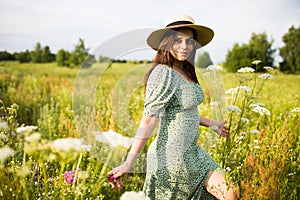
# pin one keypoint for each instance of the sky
(60, 24)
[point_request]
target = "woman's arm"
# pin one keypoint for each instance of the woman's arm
(217, 126)
(205, 121)
(147, 125)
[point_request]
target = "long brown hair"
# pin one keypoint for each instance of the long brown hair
(164, 56)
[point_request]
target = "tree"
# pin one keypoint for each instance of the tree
(63, 57)
(290, 52)
(5, 55)
(47, 56)
(79, 54)
(261, 49)
(237, 57)
(258, 48)
(203, 60)
(23, 57)
(36, 55)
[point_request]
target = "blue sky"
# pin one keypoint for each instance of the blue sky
(59, 24)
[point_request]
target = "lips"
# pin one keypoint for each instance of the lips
(182, 53)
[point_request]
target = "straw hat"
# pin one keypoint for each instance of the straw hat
(204, 34)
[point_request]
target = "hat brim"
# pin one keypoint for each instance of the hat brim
(204, 35)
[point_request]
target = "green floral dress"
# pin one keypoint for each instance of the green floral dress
(177, 167)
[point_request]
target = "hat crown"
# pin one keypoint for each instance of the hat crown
(178, 18)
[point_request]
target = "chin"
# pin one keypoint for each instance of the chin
(182, 59)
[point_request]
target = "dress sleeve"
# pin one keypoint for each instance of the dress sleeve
(159, 91)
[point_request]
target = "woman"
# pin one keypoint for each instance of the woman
(177, 168)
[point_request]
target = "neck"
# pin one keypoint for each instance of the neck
(178, 64)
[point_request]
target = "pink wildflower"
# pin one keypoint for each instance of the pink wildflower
(69, 177)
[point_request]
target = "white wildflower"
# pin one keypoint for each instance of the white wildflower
(66, 144)
(266, 76)
(228, 169)
(214, 103)
(241, 137)
(214, 67)
(5, 153)
(231, 91)
(3, 125)
(235, 90)
(26, 129)
(245, 88)
(233, 109)
(246, 70)
(254, 131)
(255, 141)
(87, 147)
(256, 147)
(33, 137)
(253, 105)
(256, 62)
(245, 120)
(292, 174)
(269, 69)
(296, 110)
(114, 139)
(261, 110)
(243, 133)
(134, 196)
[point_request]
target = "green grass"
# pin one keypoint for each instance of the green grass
(264, 165)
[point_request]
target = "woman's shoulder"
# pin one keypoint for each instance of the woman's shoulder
(162, 71)
(162, 74)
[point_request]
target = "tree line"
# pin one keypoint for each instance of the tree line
(78, 57)
(259, 47)
(43, 55)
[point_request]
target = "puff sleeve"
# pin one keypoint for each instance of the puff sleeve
(160, 90)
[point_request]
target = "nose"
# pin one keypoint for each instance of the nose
(183, 44)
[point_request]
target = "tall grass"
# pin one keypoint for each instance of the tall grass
(260, 155)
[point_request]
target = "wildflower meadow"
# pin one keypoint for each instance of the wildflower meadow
(43, 154)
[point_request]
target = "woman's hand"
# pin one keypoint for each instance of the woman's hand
(144, 131)
(219, 127)
(116, 174)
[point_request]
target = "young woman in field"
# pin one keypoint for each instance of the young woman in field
(177, 168)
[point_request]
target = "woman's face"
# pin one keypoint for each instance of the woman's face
(183, 44)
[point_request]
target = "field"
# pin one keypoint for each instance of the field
(46, 112)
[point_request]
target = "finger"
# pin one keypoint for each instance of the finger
(111, 172)
(119, 183)
(118, 174)
(111, 178)
(224, 133)
(111, 181)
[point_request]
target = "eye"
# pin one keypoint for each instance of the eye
(177, 41)
(190, 41)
